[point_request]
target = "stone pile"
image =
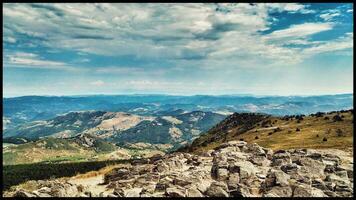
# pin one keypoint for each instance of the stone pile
(234, 169)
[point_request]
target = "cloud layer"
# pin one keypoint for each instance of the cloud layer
(165, 39)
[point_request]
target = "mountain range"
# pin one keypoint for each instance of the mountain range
(18, 110)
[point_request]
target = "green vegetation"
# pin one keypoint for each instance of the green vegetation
(16, 174)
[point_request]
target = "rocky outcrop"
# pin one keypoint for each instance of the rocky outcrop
(234, 169)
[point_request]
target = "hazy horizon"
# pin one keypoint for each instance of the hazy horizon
(163, 94)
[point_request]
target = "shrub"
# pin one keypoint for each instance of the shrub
(337, 118)
(339, 133)
(297, 129)
(325, 139)
(256, 137)
(319, 114)
(270, 133)
(326, 118)
(241, 139)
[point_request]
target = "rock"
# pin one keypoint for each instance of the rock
(233, 181)
(149, 187)
(217, 189)
(117, 174)
(289, 168)
(255, 149)
(236, 169)
(244, 168)
(203, 185)
(318, 183)
(23, 193)
(161, 167)
(181, 182)
(39, 194)
(302, 190)
(193, 192)
(337, 179)
(315, 156)
(134, 192)
(260, 160)
(276, 178)
(281, 158)
(174, 192)
(314, 167)
(279, 191)
(44, 190)
(222, 174)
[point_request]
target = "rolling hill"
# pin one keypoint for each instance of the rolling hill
(319, 130)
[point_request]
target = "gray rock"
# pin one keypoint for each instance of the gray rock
(260, 161)
(279, 191)
(23, 193)
(217, 189)
(193, 192)
(281, 158)
(314, 167)
(302, 190)
(276, 178)
(175, 192)
(133, 192)
(233, 181)
(222, 174)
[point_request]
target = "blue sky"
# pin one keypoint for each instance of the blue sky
(260, 49)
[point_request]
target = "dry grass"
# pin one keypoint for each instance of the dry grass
(102, 171)
(311, 134)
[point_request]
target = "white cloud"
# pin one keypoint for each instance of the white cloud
(9, 39)
(342, 43)
(300, 30)
(329, 16)
(97, 83)
(205, 32)
(30, 60)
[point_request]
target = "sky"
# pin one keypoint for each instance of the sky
(184, 49)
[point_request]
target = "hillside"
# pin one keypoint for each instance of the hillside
(320, 130)
(119, 127)
(83, 147)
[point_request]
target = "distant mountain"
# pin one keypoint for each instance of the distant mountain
(118, 127)
(19, 110)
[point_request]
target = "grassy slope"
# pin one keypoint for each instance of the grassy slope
(288, 137)
(52, 150)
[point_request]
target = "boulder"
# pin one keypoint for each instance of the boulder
(23, 193)
(314, 167)
(194, 192)
(175, 192)
(279, 191)
(233, 181)
(281, 158)
(302, 190)
(260, 160)
(276, 178)
(222, 174)
(217, 189)
(133, 192)
(203, 185)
